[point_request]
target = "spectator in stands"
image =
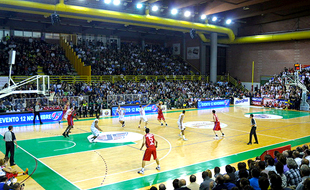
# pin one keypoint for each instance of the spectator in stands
(161, 187)
(297, 158)
(217, 171)
(193, 184)
(242, 174)
(240, 166)
(263, 183)
(219, 183)
(153, 188)
(254, 180)
(279, 168)
(305, 161)
(182, 184)
(227, 182)
(305, 174)
(282, 159)
(276, 182)
(292, 175)
(230, 172)
(307, 154)
(176, 184)
(206, 176)
(270, 165)
(243, 183)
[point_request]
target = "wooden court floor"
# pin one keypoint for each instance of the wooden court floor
(74, 163)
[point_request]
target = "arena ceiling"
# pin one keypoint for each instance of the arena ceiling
(242, 12)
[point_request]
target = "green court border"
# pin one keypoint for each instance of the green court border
(49, 179)
(161, 177)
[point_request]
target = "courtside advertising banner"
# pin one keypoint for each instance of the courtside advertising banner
(27, 118)
(134, 109)
(257, 101)
(105, 112)
(242, 102)
(213, 103)
(268, 102)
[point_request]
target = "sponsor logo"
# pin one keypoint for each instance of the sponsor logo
(226, 102)
(203, 124)
(265, 116)
(154, 108)
(116, 137)
(106, 113)
(242, 101)
(56, 116)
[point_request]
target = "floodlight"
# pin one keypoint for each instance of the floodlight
(228, 21)
(214, 19)
(155, 8)
(139, 5)
(174, 11)
(116, 2)
(107, 1)
(203, 17)
(187, 13)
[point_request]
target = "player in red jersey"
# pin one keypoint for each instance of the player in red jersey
(217, 126)
(151, 145)
(160, 114)
(64, 111)
(70, 115)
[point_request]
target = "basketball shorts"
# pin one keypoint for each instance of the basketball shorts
(70, 121)
(143, 118)
(148, 153)
(160, 117)
(121, 118)
(95, 131)
(217, 126)
(181, 126)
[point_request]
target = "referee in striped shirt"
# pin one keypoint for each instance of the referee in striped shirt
(10, 139)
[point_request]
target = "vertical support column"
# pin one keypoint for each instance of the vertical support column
(143, 44)
(213, 57)
(203, 59)
(184, 47)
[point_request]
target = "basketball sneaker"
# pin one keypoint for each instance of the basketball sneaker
(216, 137)
(26, 172)
(158, 168)
(123, 125)
(140, 172)
(223, 135)
(161, 124)
(166, 124)
(185, 139)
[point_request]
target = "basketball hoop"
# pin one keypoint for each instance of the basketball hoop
(51, 97)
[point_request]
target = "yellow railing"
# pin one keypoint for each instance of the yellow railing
(74, 60)
(136, 78)
(116, 78)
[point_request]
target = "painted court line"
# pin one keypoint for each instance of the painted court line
(136, 169)
(171, 170)
(47, 166)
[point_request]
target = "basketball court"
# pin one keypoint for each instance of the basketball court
(113, 163)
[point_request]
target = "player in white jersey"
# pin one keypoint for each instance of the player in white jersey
(142, 115)
(181, 125)
(95, 129)
(121, 113)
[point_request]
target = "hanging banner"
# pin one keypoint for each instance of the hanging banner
(193, 52)
(176, 49)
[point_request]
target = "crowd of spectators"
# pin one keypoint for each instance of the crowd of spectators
(31, 53)
(282, 171)
(130, 59)
(178, 94)
(276, 88)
